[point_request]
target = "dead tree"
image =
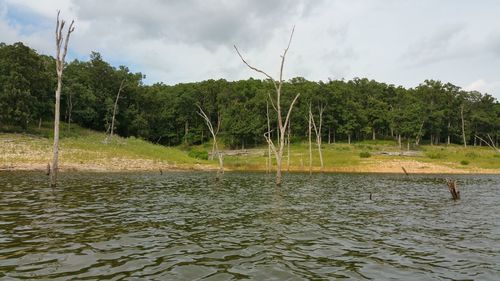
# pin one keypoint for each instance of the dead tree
(60, 57)
(406, 172)
(214, 133)
(317, 131)
(112, 126)
(69, 109)
(276, 103)
(122, 85)
(453, 188)
(269, 163)
(419, 135)
(463, 125)
(309, 133)
(490, 143)
(217, 130)
(288, 146)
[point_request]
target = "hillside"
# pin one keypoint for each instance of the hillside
(86, 150)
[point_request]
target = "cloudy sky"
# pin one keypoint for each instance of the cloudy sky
(402, 42)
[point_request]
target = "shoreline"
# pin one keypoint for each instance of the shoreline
(390, 168)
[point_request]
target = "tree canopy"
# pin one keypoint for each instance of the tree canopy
(166, 114)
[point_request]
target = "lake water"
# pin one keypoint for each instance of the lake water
(186, 226)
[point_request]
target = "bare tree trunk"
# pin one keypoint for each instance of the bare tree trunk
(269, 163)
(186, 131)
(288, 146)
(212, 153)
(373, 134)
(419, 134)
(282, 124)
(40, 123)
(310, 143)
(349, 138)
(70, 109)
(318, 135)
(317, 130)
(448, 139)
(214, 133)
(463, 125)
(453, 188)
(329, 134)
(115, 106)
(399, 141)
(59, 69)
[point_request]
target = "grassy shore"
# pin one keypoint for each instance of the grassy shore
(86, 150)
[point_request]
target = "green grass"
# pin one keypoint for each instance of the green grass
(356, 155)
(82, 146)
(453, 155)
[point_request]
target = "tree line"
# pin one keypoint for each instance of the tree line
(94, 91)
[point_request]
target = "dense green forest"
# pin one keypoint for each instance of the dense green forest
(357, 109)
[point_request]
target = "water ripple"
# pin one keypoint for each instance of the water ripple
(186, 226)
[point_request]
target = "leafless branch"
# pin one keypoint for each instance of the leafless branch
(255, 69)
(284, 55)
(272, 102)
(491, 145)
(290, 109)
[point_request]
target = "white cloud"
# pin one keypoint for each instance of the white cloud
(47, 9)
(483, 86)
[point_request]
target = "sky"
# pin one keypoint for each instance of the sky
(401, 42)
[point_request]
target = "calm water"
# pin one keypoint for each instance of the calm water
(184, 226)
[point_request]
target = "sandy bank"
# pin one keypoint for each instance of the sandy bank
(137, 165)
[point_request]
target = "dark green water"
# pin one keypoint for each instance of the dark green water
(184, 226)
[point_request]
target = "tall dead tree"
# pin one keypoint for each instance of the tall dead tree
(60, 57)
(317, 131)
(289, 133)
(276, 103)
(217, 130)
(122, 85)
(269, 163)
(309, 133)
(463, 125)
(214, 133)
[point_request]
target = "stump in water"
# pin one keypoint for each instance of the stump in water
(404, 170)
(453, 188)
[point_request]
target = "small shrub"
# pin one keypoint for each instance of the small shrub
(471, 155)
(365, 154)
(198, 154)
(435, 155)
(464, 162)
(344, 148)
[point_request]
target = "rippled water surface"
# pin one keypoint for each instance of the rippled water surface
(185, 226)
